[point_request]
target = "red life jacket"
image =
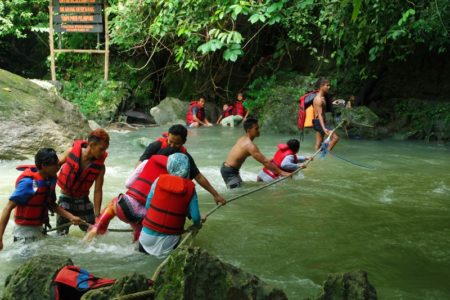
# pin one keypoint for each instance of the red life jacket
(35, 211)
(280, 155)
(200, 112)
(79, 279)
(239, 108)
(71, 179)
(155, 166)
(305, 101)
(170, 204)
(228, 112)
(164, 144)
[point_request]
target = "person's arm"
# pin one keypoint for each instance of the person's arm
(258, 156)
(204, 183)
(98, 193)
(194, 210)
(289, 164)
(63, 157)
(151, 149)
(219, 119)
(6, 213)
(135, 174)
(65, 214)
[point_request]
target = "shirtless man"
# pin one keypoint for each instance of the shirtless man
(319, 104)
(244, 148)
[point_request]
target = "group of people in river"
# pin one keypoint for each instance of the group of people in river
(159, 194)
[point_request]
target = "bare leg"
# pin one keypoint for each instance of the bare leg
(319, 140)
(333, 142)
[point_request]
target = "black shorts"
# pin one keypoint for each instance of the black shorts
(317, 127)
(231, 176)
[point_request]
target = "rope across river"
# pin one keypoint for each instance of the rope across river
(191, 232)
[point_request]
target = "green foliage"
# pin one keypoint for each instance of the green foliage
(19, 17)
(425, 118)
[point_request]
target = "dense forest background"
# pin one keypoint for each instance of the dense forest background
(392, 55)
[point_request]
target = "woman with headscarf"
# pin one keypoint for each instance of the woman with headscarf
(171, 199)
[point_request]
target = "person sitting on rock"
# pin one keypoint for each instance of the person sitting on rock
(286, 159)
(226, 117)
(240, 112)
(33, 196)
(172, 198)
(130, 207)
(196, 116)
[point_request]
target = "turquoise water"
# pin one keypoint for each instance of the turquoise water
(392, 221)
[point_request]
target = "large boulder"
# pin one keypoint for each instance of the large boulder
(193, 273)
(33, 279)
(173, 111)
(351, 285)
(170, 111)
(32, 117)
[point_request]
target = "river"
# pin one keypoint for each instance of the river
(391, 219)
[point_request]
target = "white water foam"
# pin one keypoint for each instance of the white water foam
(386, 196)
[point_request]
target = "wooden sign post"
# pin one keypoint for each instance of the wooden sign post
(83, 16)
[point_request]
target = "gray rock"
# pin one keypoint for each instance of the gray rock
(32, 117)
(93, 125)
(170, 111)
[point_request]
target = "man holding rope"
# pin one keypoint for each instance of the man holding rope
(244, 148)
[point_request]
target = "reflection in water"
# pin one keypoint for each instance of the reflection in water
(332, 218)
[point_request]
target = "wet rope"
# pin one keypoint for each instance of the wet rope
(191, 231)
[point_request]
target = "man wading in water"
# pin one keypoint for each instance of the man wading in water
(319, 105)
(244, 148)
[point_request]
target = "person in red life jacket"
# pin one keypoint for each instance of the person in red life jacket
(130, 207)
(196, 116)
(239, 108)
(82, 165)
(319, 106)
(226, 117)
(173, 143)
(286, 159)
(33, 196)
(172, 198)
(243, 148)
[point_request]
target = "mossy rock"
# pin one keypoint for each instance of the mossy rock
(33, 279)
(351, 285)
(192, 273)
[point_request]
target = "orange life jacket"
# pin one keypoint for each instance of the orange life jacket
(35, 211)
(280, 155)
(170, 204)
(155, 166)
(200, 112)
(76, 182)
(305, 101)
(239, 108)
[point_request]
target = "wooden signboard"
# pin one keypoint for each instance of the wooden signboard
(82, 16)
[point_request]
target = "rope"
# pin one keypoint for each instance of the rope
(66, 225)
(193, 231)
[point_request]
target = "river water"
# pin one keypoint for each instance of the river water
(391, 219)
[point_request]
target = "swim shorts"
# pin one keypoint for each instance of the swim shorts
(231, 176)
